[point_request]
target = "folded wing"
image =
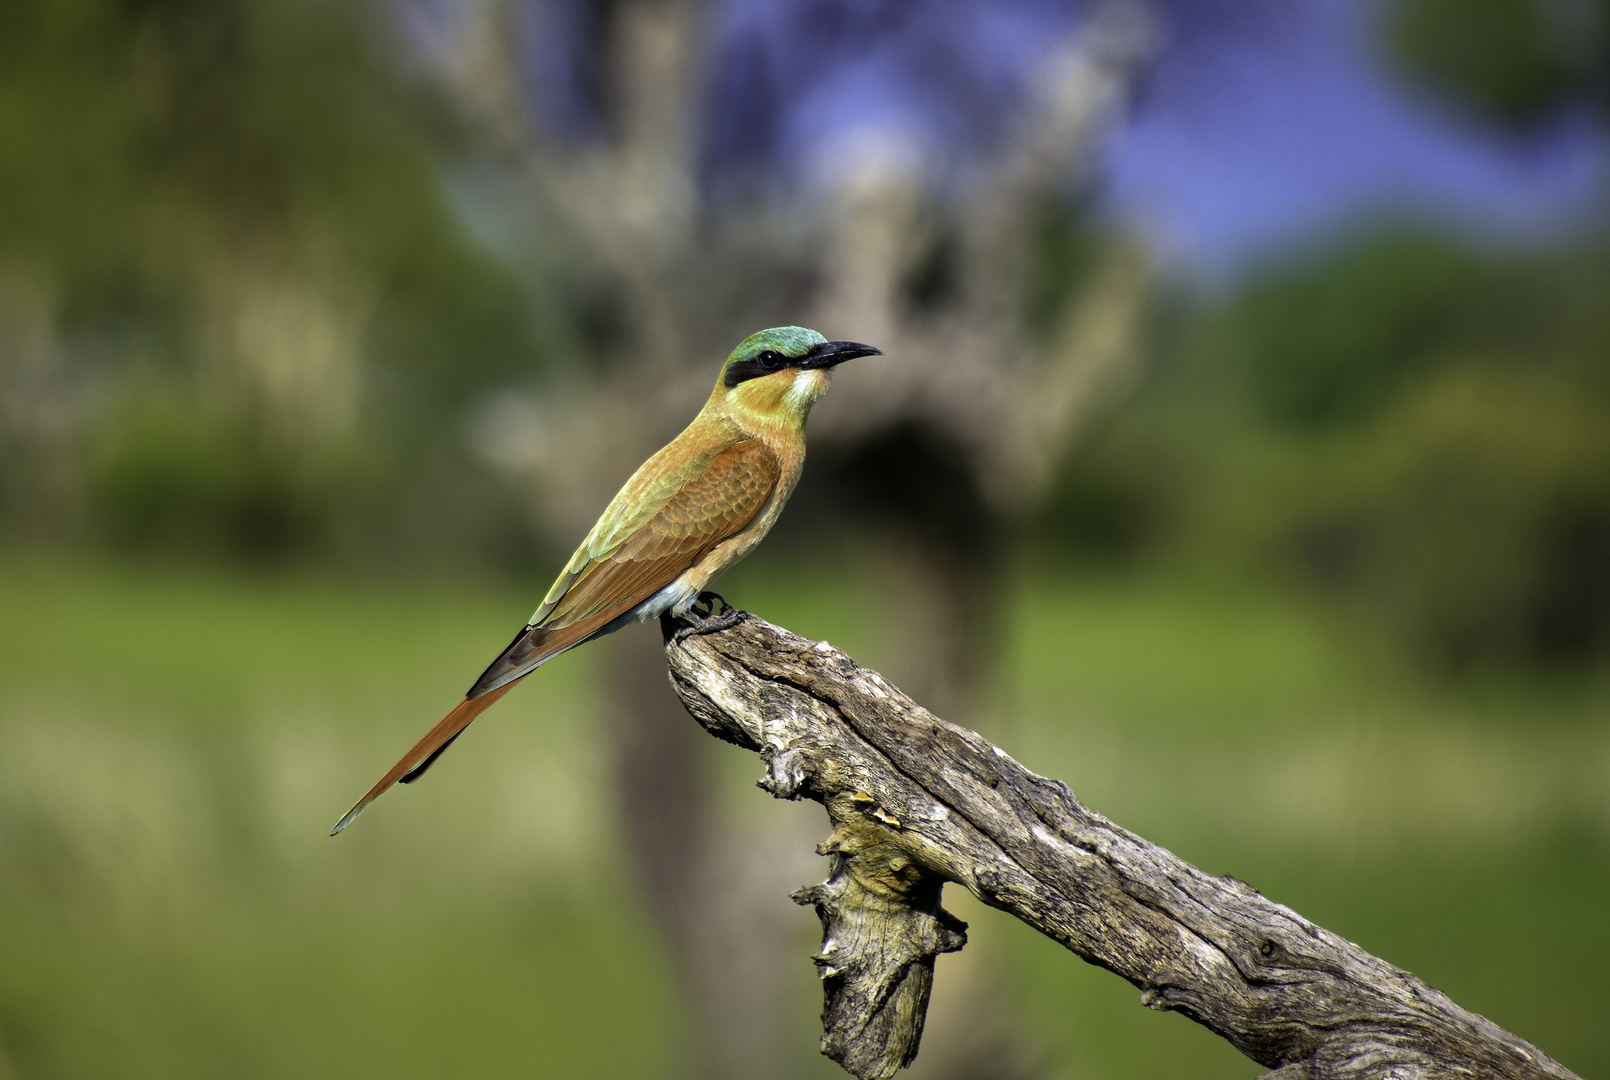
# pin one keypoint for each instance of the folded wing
(605, 587)
(712, 507)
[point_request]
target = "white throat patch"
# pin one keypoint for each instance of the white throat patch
(808, 386)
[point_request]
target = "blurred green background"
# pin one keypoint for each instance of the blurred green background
(325, 327)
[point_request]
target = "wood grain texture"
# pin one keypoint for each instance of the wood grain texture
(915, 801)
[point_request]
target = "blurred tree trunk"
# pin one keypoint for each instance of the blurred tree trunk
(941, 455)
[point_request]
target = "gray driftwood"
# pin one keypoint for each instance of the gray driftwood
(915, 801)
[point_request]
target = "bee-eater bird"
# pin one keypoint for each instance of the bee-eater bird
(689, 512)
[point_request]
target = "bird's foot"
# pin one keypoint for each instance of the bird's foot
(693, 621)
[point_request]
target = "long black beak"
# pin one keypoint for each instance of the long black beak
(831, 353)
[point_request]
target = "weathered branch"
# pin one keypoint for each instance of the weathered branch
(915, 801)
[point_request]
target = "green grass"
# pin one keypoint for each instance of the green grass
(174, 743)
(173, 748)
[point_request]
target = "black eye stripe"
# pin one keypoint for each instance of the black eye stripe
(767, 362)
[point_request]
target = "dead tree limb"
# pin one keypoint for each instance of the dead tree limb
(915, 802)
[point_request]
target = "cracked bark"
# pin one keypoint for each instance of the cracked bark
(915, 802)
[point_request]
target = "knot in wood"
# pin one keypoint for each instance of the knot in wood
(882, 928)
(787, 770)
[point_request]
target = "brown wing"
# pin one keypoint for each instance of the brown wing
(712, 507)
(717, 504)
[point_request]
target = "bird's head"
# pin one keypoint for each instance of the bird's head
(779, 373)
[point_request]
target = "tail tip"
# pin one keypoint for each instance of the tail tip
(347, 819)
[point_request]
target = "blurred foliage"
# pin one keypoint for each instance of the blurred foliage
(1480, 514)
(1115, 499)
(237, 198)
(1417, 429)
(1067, 244)
(1516, 62)
(179, 474)
(1326, 345)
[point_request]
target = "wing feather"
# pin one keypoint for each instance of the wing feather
(710, 507)
(657, 528)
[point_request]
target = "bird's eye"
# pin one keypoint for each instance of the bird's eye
(769, 359)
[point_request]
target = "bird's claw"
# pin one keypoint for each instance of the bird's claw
(692, 622)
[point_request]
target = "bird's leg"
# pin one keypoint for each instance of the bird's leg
(709, 622)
